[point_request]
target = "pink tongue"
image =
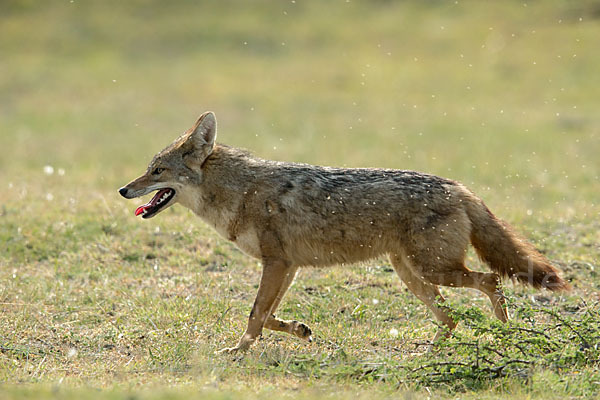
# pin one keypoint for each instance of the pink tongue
(151, 203)
(141, 209)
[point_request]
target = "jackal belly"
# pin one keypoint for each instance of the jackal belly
(310, 253)
(341, 245)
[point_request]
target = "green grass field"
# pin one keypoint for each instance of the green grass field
(95, 303)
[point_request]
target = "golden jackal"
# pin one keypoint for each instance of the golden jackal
(292, 215)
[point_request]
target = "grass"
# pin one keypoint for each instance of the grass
(95, 303)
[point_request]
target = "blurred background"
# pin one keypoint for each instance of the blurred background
(503, 96)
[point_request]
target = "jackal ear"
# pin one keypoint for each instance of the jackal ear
(204, 133)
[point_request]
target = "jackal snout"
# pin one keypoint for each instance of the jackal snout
(125, 193)
(137, 188)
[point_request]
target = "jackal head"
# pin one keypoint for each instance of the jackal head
(175, 170)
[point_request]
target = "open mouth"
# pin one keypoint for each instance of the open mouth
(160, 200)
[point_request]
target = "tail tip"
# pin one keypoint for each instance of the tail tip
(555, 283)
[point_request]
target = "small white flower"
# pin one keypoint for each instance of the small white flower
(72, 352)
(394, 332)
(48, 169)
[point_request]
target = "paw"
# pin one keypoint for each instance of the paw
(242, 346)
(229, 350)
(302, 331)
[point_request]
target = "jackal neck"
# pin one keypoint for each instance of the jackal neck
(227, 177)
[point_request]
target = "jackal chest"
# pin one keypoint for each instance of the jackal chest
(245, 239)
(248, 243)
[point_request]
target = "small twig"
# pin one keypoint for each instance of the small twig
(533, 331)
(558, 317)
(439, 364)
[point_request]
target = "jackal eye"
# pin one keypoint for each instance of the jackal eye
(157, 171)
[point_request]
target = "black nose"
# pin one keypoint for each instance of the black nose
(123, 192)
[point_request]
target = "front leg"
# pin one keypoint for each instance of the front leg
(295, 328)
(274, 276)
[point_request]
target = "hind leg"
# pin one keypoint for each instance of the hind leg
(488, 283)
(427, 293)
(437, 255)
(457, 275)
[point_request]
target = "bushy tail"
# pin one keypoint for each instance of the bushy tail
(508, 253)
